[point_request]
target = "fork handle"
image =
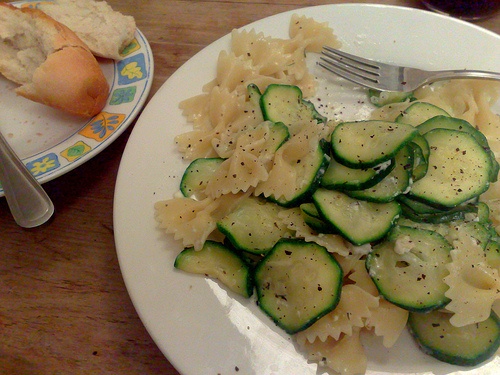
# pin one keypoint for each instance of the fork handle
(440, 75)
(29, 203)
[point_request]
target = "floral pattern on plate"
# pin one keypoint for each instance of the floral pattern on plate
(129, 88)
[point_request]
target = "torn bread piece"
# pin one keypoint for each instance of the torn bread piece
(105, 31)
(52, 65)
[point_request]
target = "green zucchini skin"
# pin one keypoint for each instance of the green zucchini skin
(196, 176)
(421, 153)
(254, 94)
(314, 220)
(365, 144)
(253, 226)
(219, 262)
(340, 177)
(419, 112)
(459, 169)
(359, 221)
(310, 170)
(422, 212)
(408, 268)
(452, 123)
(297, 283)
(463, 346)
(394, 184)
(284, 103)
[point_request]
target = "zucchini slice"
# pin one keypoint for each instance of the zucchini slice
(459, 169)
(338, 176)
(314, 220)
(394, 184)
(297, 283)
(363, 144)
(380, 98)
(219, 262)
(254, 94)
(278, 135)
(408, 268)
(452, 123)
(462, 346)
(419, 112)
(307, 173)
(420, 152)
(196, 176)
(492, 251)
(424, 213)
(446, 122)
(359, 221)
(284, 103)
(253, 226)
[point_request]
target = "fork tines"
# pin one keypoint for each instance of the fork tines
(350, 67)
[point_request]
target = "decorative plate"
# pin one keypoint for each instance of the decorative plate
(50, 142)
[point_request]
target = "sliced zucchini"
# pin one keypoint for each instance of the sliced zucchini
(463, 346)
(495, 167)
(297, 283)
(219, 262)
(419, 112)
(442, 228)
(314, 220)
(408, 268)
(423, 213)
(254, 94)
(196, 176)
(492, 251)
(338, 176)
(279, 134)
(284, 103)
(452, 123)
(381, 98)
(364, 144)
(359, 221)
(420, 159)
(483, 213)
(304, 179)
(420, 141)
(446, 122)
(253, 226)
(418, 207)
(394, 184)
(459, 169)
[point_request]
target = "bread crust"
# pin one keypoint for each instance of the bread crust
(105, 31)
(70, 78)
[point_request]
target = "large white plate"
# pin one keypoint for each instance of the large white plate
(198, 326)
(50, 142)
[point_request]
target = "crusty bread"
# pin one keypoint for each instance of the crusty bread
(52, 65)
(104, 30)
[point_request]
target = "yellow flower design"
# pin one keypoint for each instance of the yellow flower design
(43, 166)
(132, 70)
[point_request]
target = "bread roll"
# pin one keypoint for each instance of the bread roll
(52, 65)
(104, 30)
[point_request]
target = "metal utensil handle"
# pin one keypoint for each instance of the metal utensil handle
(28, 202)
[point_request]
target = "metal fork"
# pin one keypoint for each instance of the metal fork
(385, 77)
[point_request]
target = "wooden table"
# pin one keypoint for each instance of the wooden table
(64, 308)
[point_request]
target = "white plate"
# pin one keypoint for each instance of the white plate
(199, 326)
(50, 142)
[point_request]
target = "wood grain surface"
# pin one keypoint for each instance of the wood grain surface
(64, 308)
